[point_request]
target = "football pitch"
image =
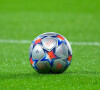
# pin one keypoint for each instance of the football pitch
(21, 21)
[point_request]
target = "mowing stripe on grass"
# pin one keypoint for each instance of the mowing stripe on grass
(28, 41)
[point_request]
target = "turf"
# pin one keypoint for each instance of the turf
(78, 21)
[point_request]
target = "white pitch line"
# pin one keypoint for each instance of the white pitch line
(72, 43)
(86, 43)
(15, 41)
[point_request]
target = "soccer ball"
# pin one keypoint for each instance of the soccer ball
(50, 53)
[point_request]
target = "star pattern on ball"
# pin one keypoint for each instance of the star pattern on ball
(60, 40)
(34, 63)
(68, 60)
(50, 56)
(37, 40)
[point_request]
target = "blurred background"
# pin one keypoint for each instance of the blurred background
(77, 20)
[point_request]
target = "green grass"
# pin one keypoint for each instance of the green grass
(78, 21)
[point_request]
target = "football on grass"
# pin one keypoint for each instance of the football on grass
(50, 53)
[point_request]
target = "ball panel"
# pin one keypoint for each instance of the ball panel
(58, 66)
(43, 66)
(37, 52)
(49, 43)
(62, 51)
